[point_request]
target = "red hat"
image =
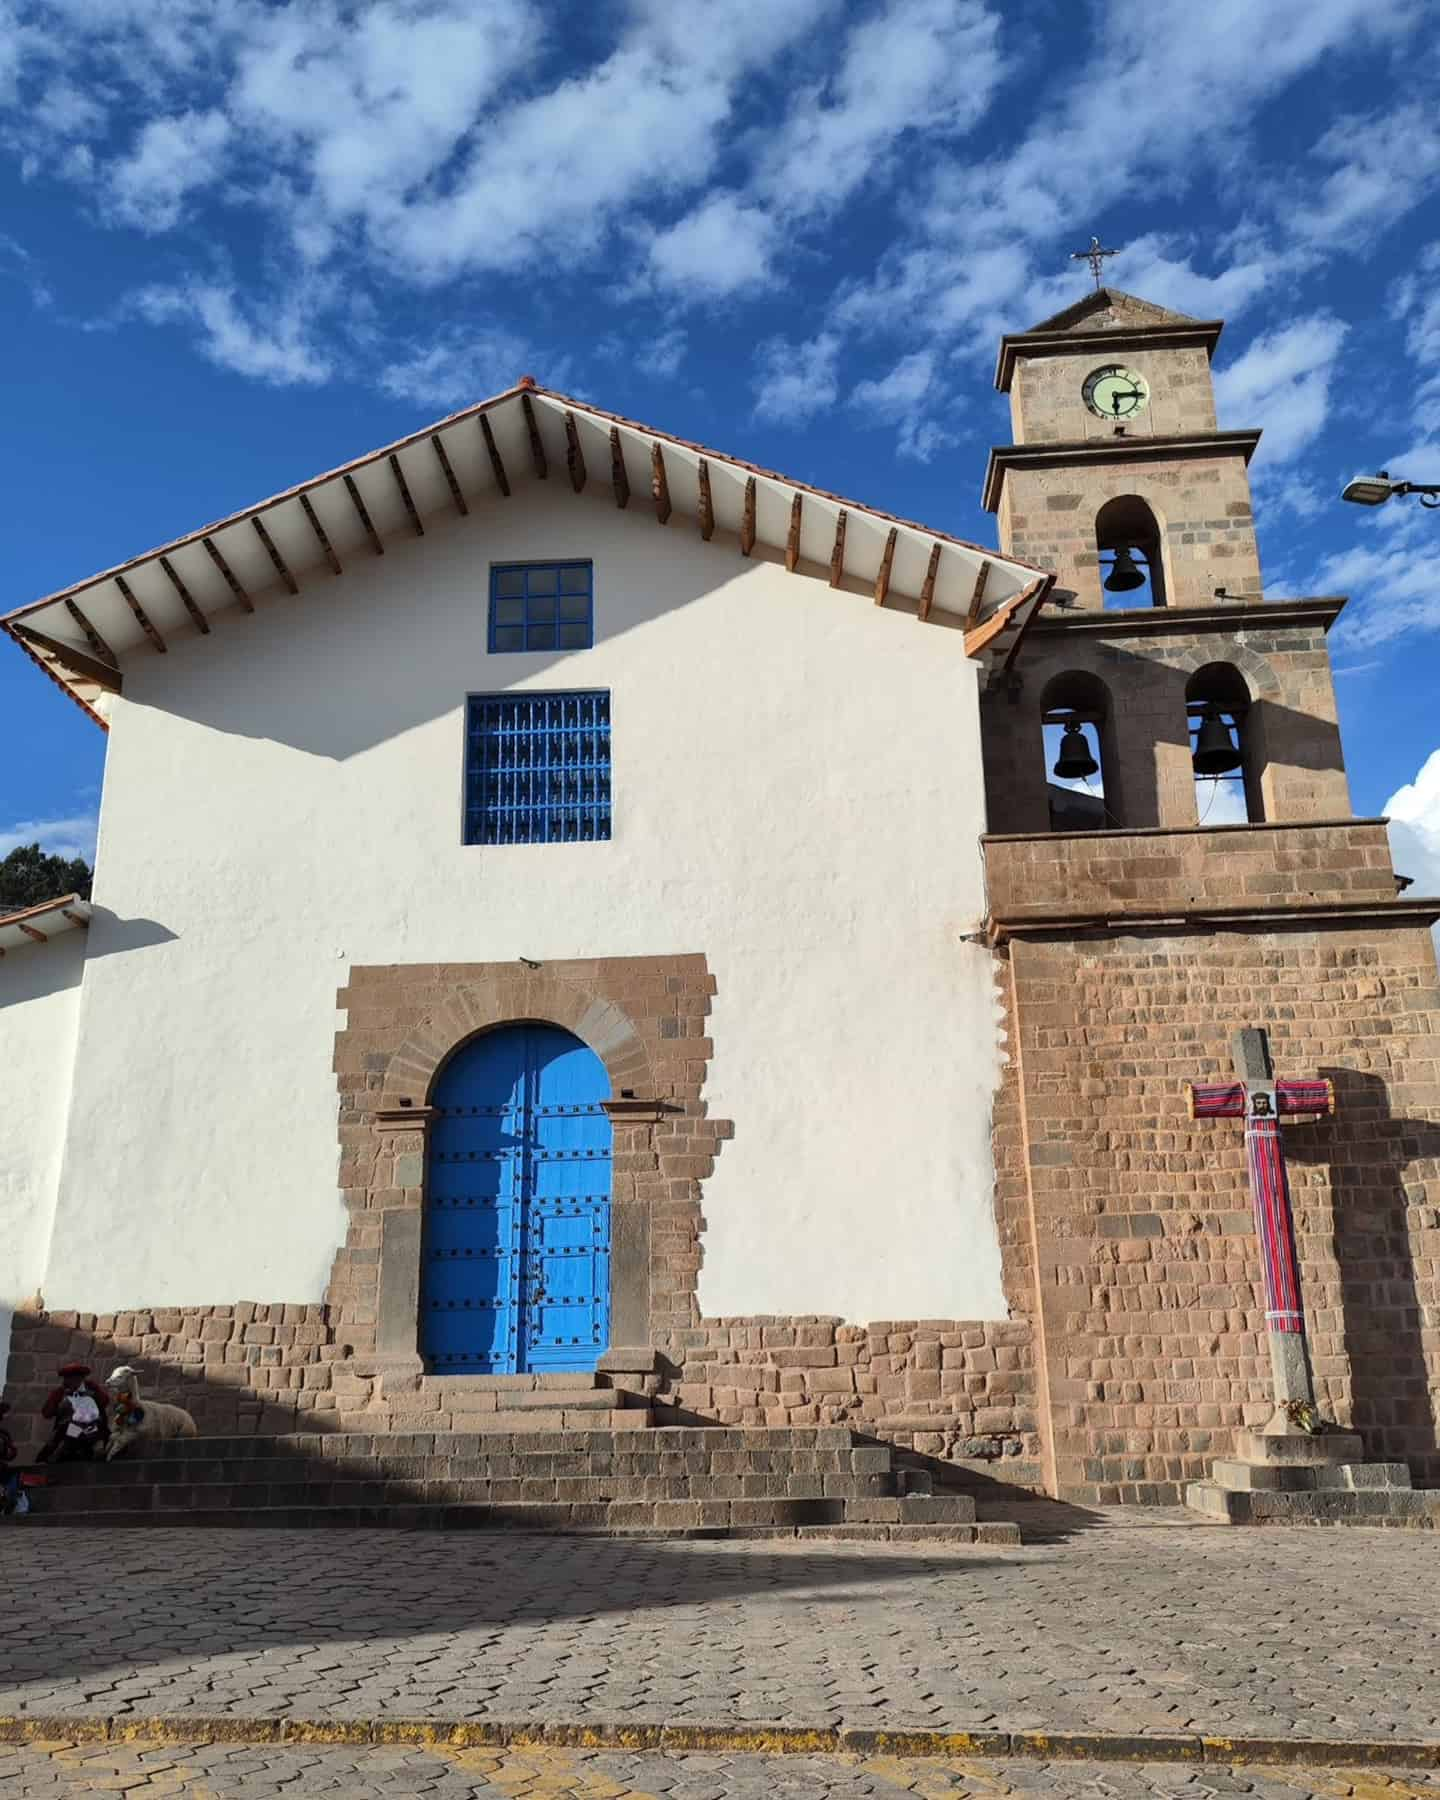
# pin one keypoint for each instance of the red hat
(74, 1369)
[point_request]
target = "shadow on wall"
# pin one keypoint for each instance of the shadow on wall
(1379, 1197)
(120, 935)
(397, 656)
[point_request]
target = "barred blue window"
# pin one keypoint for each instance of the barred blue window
(542, 606)
(537, 768)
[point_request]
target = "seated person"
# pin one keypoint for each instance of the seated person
(79, 1409)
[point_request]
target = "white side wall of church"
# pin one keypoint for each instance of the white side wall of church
(797, 794)
(39, 1004)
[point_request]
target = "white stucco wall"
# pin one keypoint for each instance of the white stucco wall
(39, 1004)
(797, 795)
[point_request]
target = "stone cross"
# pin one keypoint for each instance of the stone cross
(1263, 1101)
(1095, 256)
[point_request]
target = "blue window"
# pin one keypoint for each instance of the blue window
(537, 768)
(542, 606)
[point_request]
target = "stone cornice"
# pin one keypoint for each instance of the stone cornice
(1291, 915)
(1097, 451)
(1169, 335)
(1230, 616)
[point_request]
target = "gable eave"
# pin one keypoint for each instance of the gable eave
(84, 635)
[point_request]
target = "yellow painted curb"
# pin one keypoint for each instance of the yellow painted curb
(761, 1739)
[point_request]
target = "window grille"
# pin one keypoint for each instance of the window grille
(537, 768)
(542, 606)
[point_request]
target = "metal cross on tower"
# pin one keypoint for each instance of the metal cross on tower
(1095, 256)
(1262, 1101)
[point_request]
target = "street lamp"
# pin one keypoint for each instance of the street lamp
(1375, 490)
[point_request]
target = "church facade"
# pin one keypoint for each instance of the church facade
(570, 900)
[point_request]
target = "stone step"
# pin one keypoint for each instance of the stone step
(591, 1435)
(1244, 1477)
(1287, 1452)
(1419, 1509)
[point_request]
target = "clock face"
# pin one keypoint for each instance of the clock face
(1115, 392)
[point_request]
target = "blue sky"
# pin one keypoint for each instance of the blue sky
(241, 242)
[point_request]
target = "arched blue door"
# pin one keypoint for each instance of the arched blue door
(516, 1272)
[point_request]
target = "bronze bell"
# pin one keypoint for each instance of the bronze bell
(1074, 761)
(1216, 752)
(1123, 574)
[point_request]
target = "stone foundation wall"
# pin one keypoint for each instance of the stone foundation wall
(1146, 1290)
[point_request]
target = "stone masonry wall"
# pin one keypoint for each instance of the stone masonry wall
(1148, 1302)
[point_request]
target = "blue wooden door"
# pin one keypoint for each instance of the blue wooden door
(516, 1271)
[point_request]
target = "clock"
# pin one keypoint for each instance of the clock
(1114, 392)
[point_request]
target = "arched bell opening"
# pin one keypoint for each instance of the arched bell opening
(1224, 749)
(1132, 553)
(1080, 764)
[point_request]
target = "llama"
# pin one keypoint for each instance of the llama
(140, 1422)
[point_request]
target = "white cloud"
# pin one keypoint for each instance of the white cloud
(172, 159)
(661, 357)
(718, 250)
(466, 367)
(907, 397)
(1414, 814)
(1392, 575)
(793, 382)
(1282, 381)
(1385, 164)
(278, 347)
(66, 837)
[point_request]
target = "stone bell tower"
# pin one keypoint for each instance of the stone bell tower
(1137, 923)
(1116, 449)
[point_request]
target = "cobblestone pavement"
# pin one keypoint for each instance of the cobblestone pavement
(1275, 1633)
(250, 1772)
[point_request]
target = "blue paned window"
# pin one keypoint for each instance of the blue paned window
(537, 768)
(542, 606)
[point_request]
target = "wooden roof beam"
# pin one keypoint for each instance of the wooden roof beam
(103, 674)
(229, 575)
(747, 519)
(76, 919)
(321, 536)
(537, 446)
(837, 554)
(31, 932)
(187, 599)
(977, 596)
(927, 587)
(502, 480)
(93, 638)
(574, 455)
(364, 515)
(141, 617)
(404, 488)
(449, 473)
(659, 484)
(792, 540)
(707, 505)
(887, 558)
(619, 475)
(281, 567)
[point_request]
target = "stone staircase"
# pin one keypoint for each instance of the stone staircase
(1305, 1480)
(529, 1453)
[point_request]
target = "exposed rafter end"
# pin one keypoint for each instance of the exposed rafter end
(747, 519)
(102, 650)
(792, 537)
(321, 536)
(537, 444)
(574, 454)
(977, 596)
(404, 487)
(363, 513)
(281, 567)
(707, 505)
(502, 480)
(104, 674)
(38, 937)
(449, 473)
(882, 580)
(141, 617)
(927, 587)
(78, 920)
(187, 599)
(619, 476)
(659, 484)
(837, 554)
(229, 575)
(984, 635)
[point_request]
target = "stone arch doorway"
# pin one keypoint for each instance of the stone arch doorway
(515, 1262)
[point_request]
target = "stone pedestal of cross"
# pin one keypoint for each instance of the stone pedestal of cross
(1262, 1101)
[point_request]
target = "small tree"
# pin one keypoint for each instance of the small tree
(28, 877)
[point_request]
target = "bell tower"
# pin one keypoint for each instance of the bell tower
(1118, 478)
